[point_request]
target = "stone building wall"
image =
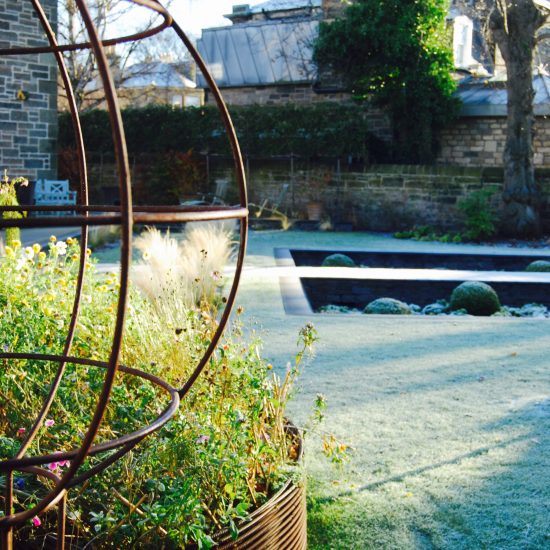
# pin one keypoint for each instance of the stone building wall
(479, 141)
(28, 94)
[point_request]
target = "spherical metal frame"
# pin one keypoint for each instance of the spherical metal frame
(125, 215)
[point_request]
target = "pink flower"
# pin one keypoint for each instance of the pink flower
(21, 431)
(63, 463)
(49, 423)
(202, 439)
(53, 466)
(36, 521)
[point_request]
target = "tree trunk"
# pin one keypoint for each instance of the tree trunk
(514, 24)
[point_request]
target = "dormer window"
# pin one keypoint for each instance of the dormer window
(462, 42)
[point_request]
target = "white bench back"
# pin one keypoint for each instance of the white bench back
(52, 192)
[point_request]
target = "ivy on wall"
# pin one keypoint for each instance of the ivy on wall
(396, 54)
(322, 130)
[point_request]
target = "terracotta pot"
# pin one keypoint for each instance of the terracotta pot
(314, 210)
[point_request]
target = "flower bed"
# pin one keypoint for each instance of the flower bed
(224, 454)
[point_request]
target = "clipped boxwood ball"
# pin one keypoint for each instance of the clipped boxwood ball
(476, 298)
(387, 306)
(538, 265)
(338, 260)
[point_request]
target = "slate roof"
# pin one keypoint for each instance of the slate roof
(488, 97)
(260, 52)
(161, 75)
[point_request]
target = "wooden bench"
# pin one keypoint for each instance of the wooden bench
(53, 193)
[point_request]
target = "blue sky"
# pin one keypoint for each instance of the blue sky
(194, 15)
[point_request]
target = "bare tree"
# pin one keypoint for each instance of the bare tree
(111, 19)
(514, 25)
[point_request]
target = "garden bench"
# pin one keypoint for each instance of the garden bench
(53, 192)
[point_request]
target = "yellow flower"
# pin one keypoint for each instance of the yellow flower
(70, 240)
(16, 244)
(29, 252)
(88, 252)
(42, 256)
(36, 247)
(53, 238)
(10, 253)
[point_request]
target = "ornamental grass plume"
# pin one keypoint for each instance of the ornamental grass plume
(190, 271)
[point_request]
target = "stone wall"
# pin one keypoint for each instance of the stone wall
(28, 94)
(377, 198)
(380, 198)
(479, 141)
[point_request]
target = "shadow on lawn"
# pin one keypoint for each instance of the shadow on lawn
(499, 500)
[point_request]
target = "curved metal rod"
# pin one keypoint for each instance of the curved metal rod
(167, 21)
(145, 218)
(126, 234)
(108, 445)
(241, 180)
(127, 442)
(160, 209)
(125, 217)
(84, 234)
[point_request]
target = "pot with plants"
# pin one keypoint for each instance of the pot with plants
(225, 471)
(316, 186)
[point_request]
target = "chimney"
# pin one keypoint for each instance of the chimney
(334, 8)
(462, 42)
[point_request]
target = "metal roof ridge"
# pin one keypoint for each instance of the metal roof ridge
(265, 22)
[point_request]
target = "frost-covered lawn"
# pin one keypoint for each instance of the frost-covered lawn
(449, 419)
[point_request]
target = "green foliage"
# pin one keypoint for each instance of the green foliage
(338, 260)
(226, 451)
(428, 233)
(476, 298)
(8, 197)
(387, 306)
(308, 131)
(480, 216)
(394, 53)
(171, 177)
(540, 266)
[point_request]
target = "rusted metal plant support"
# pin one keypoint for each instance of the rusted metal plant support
(86, 215)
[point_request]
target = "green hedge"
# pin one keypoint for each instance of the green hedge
(323, 130)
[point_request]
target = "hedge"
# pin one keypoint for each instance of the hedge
(322, 130)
